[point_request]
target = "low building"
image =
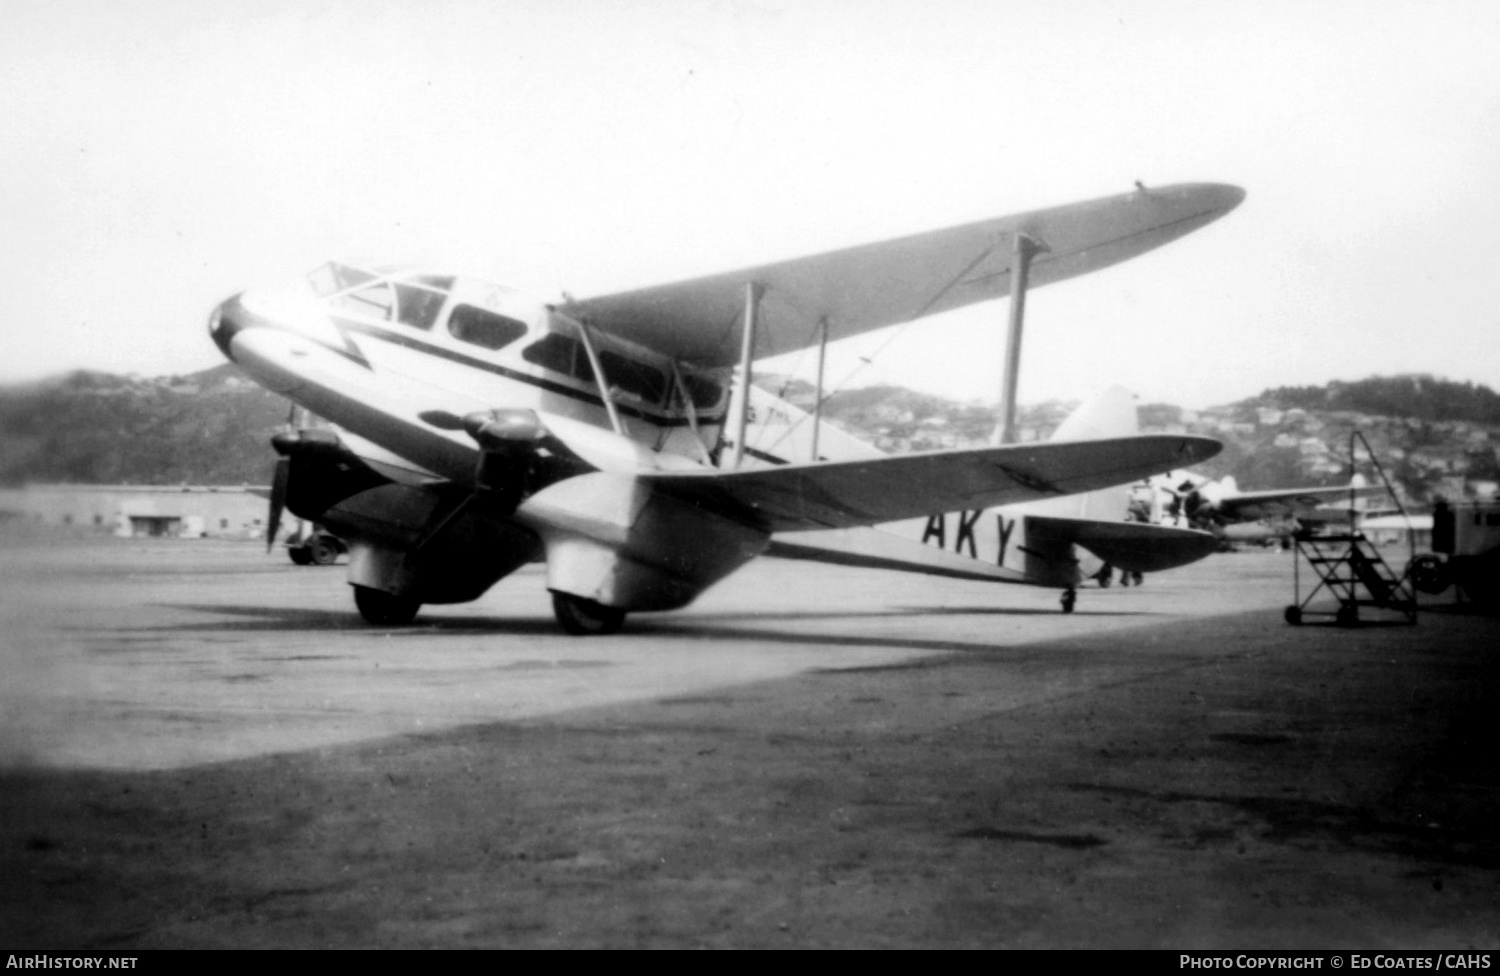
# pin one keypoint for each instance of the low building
(187, 511)
(1390, 530)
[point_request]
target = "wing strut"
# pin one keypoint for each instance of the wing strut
(1020, 270)
(680, 385)
(600, 378)
(818, 394)
(753, 292)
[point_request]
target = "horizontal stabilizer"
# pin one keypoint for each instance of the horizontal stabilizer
(1133, 546)
(845, 494)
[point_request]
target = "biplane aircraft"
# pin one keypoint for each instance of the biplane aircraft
(1183, 498)
(478, 429)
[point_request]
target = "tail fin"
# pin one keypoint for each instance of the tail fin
(1110, 414)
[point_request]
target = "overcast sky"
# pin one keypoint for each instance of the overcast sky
(158, 156)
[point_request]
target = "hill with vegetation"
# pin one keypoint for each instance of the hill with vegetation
(1414, 396)
(1434, 436)
(211, 427)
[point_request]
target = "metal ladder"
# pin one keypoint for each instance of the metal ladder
(1349, 567)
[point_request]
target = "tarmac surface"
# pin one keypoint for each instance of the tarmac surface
(202, 746)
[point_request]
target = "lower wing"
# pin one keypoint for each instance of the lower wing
(845, 494)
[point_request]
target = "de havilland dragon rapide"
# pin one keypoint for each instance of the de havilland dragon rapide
(472, 429)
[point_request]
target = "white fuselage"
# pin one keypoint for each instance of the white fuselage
(375, 354)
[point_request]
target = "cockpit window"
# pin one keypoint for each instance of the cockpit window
(416, 301)
(484, 328)
(334, 277)
(377, 301)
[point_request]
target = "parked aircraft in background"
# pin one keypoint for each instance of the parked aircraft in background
(1183, 498)
(478, 430)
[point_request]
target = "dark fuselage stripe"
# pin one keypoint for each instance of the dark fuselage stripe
(763, 456)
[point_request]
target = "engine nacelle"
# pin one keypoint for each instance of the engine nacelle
(418, 544)
(619, 542)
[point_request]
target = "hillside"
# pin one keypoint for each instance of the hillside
(1434, 436)
(1415, 396)
(211, 427)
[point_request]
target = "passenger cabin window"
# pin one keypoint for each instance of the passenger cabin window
(484, 328)
(705, 393)
(559, 353)
(627, 378)
(636, 380)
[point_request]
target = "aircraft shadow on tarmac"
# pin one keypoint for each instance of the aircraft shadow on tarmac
(285, 618)
(931, 612)
(268, 619)
(718, 627)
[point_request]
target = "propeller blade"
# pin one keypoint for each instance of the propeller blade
(280, 477)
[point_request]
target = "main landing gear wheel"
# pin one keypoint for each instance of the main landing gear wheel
(1429, 574)
(1293, 615)
(385, 609)
(301, 555)
(581, 617)
(322, 552)
(1069, 598)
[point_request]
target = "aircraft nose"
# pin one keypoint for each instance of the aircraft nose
(227, 319)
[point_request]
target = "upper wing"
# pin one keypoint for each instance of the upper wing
(843, 494)
(1251, 505)
(861, 289)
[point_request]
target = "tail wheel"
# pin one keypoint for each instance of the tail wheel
(1069, 598)
(582, 618)
(385, 609)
